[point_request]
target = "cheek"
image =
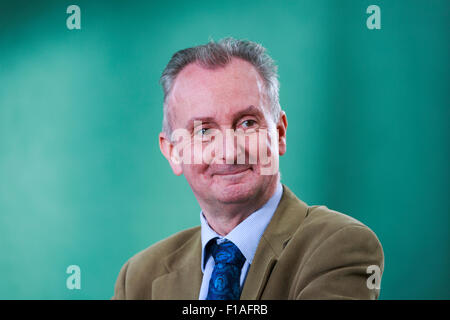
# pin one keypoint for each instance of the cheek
(194, 172)
(263, 147)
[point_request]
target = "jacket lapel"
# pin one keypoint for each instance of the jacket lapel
(289, 215)
(259, 272)
(184, 277)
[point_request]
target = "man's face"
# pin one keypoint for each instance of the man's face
(204, 102)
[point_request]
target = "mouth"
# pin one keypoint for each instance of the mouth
(232, 171)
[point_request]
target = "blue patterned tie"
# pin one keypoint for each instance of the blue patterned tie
(225, 278)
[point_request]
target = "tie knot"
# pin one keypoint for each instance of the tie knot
(227, 253)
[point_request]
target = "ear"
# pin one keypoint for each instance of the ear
(167, 149)
(282, 127)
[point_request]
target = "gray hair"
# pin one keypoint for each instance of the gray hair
(218, 54)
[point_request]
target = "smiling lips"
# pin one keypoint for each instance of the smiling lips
(225, 170)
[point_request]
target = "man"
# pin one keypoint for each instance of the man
(224, 130)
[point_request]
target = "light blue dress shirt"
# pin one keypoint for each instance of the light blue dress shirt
(245, 236)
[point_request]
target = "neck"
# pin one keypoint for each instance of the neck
(224, 217)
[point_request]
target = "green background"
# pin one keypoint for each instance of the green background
(82, 180)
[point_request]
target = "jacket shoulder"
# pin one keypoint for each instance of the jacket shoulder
(322, 223)
(340, 254)
(138, 273)
(165, 247)
(328, 256)
(318, 219)
(329, 220)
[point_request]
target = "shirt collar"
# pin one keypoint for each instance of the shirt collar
(247, 234)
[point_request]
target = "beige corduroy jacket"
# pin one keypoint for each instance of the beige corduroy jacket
(306, 252)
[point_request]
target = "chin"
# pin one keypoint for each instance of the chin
(235, 193)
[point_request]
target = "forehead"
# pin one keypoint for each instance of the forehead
(198, 91)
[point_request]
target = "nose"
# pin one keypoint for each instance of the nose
(229, 147)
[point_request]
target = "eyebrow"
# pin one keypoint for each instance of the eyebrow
(190, 123)
(250, 110)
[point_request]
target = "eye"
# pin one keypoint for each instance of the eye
(203, 131)
(248, 123)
